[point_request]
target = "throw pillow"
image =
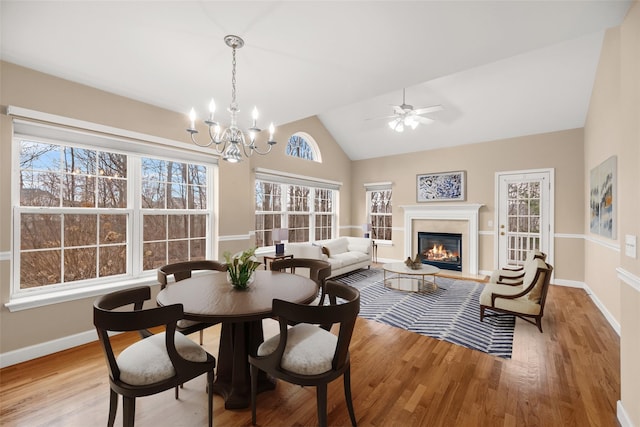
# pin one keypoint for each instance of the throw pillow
(325, 250)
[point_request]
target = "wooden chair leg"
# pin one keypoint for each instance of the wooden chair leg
(129, 411)
(539, 323)
(321, 397)
(210, 396)
(113, 408)
(481, 313)
(254, 392)
(347, 395)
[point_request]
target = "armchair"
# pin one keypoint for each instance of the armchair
(526, 300)
(513, 275)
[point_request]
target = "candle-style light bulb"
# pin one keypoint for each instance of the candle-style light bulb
(192, 117)
(212, 109)
(272, 129)
(254, 115)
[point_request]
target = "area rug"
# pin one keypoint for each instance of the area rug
(451, 313)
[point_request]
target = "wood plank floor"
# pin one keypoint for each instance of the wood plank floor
(567, 376)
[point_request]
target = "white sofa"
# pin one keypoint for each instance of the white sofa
(345, 254)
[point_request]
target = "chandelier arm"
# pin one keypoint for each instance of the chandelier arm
(193, 139)
(262, 153)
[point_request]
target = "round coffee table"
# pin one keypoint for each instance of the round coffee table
(404, 278)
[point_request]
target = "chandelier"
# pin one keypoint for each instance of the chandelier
(231, 142)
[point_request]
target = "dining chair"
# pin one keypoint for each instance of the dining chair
(181, 271)
(309, 354)
(154, 364)
(525, 300)
(317, 270)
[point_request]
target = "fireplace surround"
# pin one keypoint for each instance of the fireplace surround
(466, 214)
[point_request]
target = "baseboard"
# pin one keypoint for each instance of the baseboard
(569, 283)
(623, 417)
(46, 348)
(607, 315)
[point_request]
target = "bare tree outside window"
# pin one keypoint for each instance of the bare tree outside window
(307, 212)
(75, 222)
(380, 214)
(62, 246)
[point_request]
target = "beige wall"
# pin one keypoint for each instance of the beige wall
(562, 151)
(26, 88)
(613, 128)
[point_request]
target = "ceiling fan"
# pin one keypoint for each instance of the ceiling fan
(405, 115)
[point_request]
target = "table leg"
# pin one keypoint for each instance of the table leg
(233, 380)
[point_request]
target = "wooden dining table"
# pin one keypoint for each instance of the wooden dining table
(209, 298)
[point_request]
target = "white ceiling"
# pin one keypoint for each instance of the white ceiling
(499, 68)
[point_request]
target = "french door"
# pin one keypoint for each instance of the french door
(524, 215)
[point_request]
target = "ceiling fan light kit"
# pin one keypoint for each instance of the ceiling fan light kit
(406, 116)
(229, 141)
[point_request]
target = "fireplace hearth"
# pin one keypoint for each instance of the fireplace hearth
(442, 250)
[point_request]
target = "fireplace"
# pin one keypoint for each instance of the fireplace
(442, 250)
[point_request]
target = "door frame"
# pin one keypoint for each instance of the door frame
(550, 172)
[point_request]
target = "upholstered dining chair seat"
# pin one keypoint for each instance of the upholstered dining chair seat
(147, 362)
(309, 350)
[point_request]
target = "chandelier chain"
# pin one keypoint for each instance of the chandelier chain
(233, 78)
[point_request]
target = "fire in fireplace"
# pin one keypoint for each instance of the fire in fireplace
(442, 250)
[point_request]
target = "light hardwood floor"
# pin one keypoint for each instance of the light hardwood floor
(567, 376)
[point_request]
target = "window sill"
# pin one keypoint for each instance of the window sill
(25, 302)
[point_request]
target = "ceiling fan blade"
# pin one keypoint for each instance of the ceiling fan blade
(431, 109)
(380, 118)
(423, 120)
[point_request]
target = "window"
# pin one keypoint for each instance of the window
(92, 212)
(303, 146)
(379, 210)
(305, 208)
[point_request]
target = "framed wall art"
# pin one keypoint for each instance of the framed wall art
(602, 198)
(441, 187)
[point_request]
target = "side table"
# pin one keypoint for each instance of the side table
(268, 259)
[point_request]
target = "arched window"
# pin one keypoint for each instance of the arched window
(303, 146)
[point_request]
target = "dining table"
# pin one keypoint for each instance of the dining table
(208, 297)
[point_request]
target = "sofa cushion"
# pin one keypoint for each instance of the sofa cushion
(337, 246)
(359, 247)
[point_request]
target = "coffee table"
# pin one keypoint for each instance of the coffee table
(404, 278)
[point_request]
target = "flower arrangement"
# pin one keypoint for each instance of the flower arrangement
(240, 268)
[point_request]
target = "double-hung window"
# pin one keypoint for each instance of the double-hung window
(379, 212)
(92, 209)
(306, 207)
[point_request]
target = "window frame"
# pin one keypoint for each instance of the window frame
(70, 132)
(285, 180)
(370, 188)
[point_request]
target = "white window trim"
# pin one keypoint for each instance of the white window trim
(317, 156)
(42, 126)
(378, 186)
(278, 177)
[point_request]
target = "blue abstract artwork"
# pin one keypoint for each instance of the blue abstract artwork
(444, 186)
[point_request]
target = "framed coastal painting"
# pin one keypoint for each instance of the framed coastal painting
(441, 187)
(602, 198)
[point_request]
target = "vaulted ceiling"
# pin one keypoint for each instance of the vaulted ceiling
(499, 68)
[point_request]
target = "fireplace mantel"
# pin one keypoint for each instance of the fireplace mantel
(445, 212)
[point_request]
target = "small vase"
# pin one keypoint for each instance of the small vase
(241, 285)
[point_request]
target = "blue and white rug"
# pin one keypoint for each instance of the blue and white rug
(451, 313)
